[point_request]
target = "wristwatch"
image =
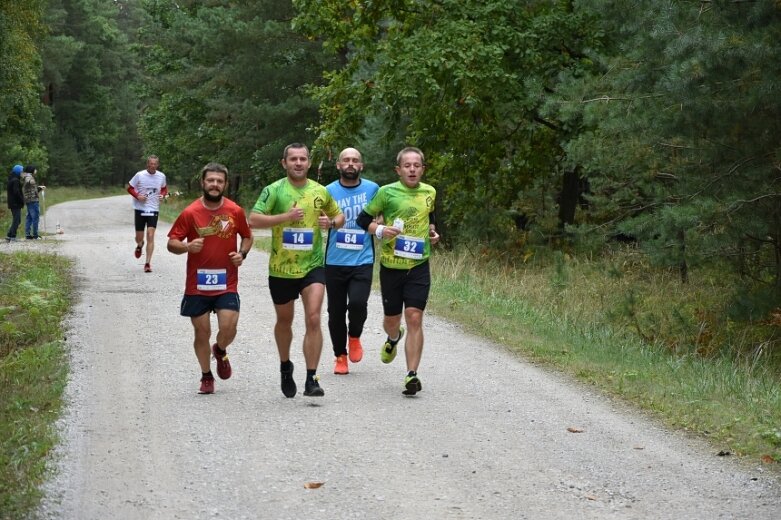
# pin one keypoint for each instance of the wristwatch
(243, 254)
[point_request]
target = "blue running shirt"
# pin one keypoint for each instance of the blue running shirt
(351, 245)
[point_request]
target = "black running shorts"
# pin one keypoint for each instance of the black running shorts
(144, 218)
(284, 290)
(404, 288)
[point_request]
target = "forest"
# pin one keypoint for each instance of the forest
(575, 126)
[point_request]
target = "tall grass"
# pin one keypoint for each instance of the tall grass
(633, 331)
(34, 297)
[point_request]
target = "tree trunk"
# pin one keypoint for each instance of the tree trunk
(569, 197)
(777, 249)
(684, 267)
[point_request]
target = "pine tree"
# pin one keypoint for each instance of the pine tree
(681, 132)
(22, 116)
(225, 82)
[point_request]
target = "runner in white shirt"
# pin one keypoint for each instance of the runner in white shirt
(147, 188)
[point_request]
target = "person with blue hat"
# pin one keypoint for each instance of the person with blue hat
(15, 201)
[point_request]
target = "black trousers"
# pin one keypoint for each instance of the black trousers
(16, 219)
(348, 290)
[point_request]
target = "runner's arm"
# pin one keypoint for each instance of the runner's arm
(335, 222)
(364, 221)
(263, 221)
(176, 246)
(432, 229)
(259, 220)
(246, 245)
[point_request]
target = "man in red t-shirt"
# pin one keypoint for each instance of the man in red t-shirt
(207, 230)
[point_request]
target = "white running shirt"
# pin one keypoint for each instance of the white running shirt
(149, 184)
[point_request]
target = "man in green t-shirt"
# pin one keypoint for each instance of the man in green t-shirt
(407, 209)
(296, 208)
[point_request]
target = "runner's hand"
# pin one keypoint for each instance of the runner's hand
(323, 220)
(390, 232)
(295, 214)
(433, 236)
(236, 258)
(195, 246)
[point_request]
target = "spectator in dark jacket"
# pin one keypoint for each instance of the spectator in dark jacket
(15, 201)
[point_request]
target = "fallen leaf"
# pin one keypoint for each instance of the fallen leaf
(313, 485)
(639, 447)
(572, 429)
(724, 453)
(767, 459)
(590, 497)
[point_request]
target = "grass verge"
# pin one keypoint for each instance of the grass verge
(34, 296)
(565, 316)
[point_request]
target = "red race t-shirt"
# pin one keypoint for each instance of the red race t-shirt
(211, 272)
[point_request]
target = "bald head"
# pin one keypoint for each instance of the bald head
(350, 166)
(350, 152)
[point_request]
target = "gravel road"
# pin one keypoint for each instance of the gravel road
(487, 438)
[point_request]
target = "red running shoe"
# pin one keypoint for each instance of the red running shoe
(340, 365)
(147, 268)
(355, 348)
(138, 251)
(223, 363)
(207, 385)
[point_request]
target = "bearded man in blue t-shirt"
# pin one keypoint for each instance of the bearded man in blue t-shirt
(349, 261)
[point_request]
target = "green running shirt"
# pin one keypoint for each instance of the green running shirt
(296, 247)
(413, 206)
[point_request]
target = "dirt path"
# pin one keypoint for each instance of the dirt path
(487, 438)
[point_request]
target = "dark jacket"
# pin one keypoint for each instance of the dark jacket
(15, 196)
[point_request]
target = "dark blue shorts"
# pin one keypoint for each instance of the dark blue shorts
(196, 305)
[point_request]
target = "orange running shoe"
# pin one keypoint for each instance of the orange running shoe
(355, 348)
(340, 365)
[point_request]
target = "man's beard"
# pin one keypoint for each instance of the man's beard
(212, 198)
(350, 175)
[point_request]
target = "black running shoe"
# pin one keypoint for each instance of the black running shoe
(288, 385)
(312, 388)
(412, 385)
